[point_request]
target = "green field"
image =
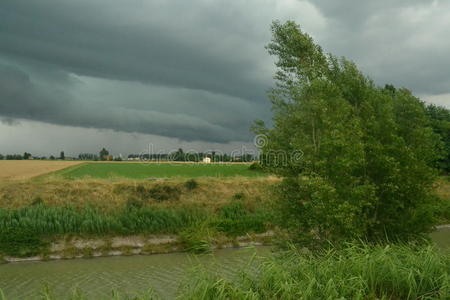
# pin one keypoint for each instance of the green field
(152, 170)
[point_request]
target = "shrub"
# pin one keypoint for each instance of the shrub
(164, 193)
(191, 184)
(158, 192)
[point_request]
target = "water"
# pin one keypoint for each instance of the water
(98, 277)
(442, 237)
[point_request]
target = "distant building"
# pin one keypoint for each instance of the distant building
(207, 160)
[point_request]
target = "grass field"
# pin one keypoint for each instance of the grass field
(153, 170)
(24, 169)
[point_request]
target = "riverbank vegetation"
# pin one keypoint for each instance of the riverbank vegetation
(32, 217)
(356, 271)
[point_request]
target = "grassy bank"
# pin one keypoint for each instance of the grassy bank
(33, 215)
(110, 195)
(356, 272)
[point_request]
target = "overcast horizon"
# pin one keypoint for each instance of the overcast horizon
(76, 76)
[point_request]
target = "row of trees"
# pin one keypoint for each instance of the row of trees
(369, 153)
(27, 155)
(180, 155)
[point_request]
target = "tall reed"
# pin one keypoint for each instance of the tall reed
(47, 221)
(356, 272)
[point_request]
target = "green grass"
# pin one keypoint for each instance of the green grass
(153, 170)
(356, 272)
(24, 231)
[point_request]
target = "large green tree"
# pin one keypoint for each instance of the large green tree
(365, 169)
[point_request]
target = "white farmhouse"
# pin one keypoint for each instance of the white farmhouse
(207, 160)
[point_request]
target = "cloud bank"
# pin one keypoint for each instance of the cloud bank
(197, 70)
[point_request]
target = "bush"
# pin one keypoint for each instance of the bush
(164, 193)
(191, 184)
(158, 192)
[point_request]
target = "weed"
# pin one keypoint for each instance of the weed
(196, 239)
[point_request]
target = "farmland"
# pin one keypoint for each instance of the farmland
(24, 169)
(155, 170)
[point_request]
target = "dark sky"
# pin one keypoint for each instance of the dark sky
(79, 75)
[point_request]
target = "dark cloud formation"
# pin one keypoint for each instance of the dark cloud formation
(197, 70)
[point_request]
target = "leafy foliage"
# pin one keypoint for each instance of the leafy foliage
(367, 151)
(440, 122)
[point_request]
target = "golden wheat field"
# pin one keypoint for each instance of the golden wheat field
(25, 169)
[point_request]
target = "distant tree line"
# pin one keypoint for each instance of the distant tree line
(180, 155)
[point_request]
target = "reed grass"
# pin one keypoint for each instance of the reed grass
(355, 272)
(46, 221)
(28, 230)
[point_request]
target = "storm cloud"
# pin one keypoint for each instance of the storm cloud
(197, 70)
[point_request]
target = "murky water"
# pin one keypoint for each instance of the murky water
(442, 237)
(98, 277)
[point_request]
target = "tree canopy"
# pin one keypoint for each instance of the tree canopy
(367, 152)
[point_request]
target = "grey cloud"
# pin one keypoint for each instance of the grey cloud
(21, 98)
(119, 41)
(197, 70)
